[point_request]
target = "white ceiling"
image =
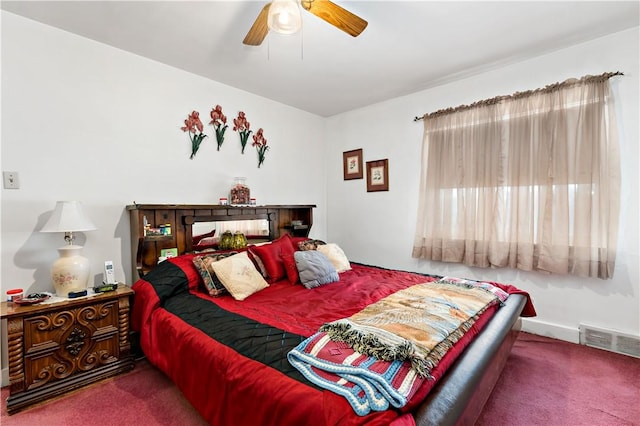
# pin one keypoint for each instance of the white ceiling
(408, 45)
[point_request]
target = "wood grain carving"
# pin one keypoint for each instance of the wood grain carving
(60, 347)
(88, 337)
(123, 326)
(15, 352)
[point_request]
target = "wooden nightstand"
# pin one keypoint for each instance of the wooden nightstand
(56, 347)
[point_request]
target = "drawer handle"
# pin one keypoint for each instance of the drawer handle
(75, 341)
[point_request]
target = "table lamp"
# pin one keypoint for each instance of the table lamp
(70, 273)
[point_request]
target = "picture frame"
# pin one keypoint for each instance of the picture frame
(378, 175)
(352, 164)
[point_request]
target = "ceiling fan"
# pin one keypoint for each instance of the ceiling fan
(324, 9)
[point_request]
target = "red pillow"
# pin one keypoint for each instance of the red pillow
(272, 254)
(290, 267)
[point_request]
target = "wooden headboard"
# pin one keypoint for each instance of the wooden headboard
(146, 249)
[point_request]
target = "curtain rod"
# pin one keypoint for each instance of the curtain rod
(516, 95)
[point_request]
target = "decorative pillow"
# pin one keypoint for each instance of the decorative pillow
(239, 276)
(271, 256)
(336, 256)
(290, 267)
(211, 282)
(310, 244)
(258, 262)
(295, 241)
(314, 268)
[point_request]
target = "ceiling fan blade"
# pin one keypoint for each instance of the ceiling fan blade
(259, 29)
(336, 16)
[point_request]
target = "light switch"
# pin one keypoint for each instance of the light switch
(11, 180)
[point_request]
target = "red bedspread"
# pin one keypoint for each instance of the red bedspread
(230, 389)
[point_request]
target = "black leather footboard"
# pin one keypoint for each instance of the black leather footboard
(462, 393)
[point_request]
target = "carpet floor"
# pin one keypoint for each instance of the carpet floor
(556, 383)
(545, 382)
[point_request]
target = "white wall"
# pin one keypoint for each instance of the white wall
(378, 228)
(85, 121)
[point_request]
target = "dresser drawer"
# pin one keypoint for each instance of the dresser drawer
(54, 348)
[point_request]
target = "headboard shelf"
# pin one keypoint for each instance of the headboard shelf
(145, 250)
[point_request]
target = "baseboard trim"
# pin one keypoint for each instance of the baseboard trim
(554, 331)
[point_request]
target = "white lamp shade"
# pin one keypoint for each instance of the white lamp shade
(68, 216)
(284, 17)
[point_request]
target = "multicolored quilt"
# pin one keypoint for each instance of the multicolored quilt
(381, 355)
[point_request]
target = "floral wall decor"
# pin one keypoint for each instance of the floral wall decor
(219, 123)
(261, 146)
(352, 164)
(241, 125)
(194, 126)
(378, 175)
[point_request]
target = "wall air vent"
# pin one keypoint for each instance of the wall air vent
(628, 345)
(610, 340)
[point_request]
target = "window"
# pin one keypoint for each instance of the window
(528, 181)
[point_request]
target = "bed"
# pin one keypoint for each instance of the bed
(229, 357)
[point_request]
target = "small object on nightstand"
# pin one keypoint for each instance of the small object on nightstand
(105, 287)
(33, 298)
(74, 294)
(14, 294)
(108, 276)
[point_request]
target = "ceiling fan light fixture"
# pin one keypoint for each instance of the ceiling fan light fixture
(284, 17)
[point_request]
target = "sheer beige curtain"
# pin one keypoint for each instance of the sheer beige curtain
(528, 181)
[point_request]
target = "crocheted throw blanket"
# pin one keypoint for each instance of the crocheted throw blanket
(381, 355)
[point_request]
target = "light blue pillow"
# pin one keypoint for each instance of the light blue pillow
(315, 268)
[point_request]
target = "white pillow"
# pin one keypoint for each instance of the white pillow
(336, 256)
(239, 276)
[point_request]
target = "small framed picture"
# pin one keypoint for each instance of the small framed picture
(352, 164)
(170, 252)
(378, 175)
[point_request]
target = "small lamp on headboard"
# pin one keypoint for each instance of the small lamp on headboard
(70, 273)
